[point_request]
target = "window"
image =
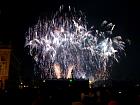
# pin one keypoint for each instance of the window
(3, 58)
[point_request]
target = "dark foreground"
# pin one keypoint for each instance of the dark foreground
(70, 94)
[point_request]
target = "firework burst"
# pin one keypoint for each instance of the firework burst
(64, 47)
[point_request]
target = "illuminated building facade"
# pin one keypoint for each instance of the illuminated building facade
(5, 52)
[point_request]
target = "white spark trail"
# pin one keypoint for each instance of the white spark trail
(63, 46)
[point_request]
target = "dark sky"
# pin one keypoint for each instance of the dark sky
(17, 16)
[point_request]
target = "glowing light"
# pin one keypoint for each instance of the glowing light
(119, 92)
(63, 47)
(70, 81)
(57, 70)
(90, 82)
(70, 68)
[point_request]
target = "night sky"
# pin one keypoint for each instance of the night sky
(17, 16)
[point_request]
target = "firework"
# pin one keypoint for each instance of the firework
(64, 47)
